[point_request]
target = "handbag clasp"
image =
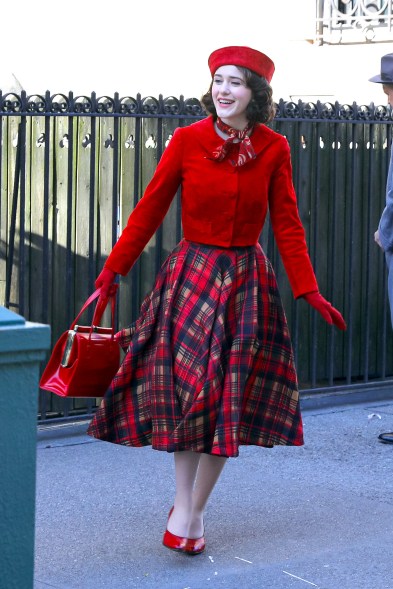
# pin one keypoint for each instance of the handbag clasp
(68, 347)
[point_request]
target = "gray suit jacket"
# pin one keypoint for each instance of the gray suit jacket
(386, 232)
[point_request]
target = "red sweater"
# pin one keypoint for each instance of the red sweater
(222, 205)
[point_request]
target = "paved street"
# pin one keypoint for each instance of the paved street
(320, 516)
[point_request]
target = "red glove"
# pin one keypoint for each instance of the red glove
(105, 281)
(328, 312)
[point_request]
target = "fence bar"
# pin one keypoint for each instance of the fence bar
(69, 287)
(333, 252)
(389, 138)
(45, 228)
(316, 205)
(12, 226)
(22, 222)
(115, 175)
(158, 248)
(92, 205)
(135, 269)
(367, 258)
(350, 254)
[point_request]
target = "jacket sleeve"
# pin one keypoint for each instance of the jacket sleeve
(288, 229)
(386, 222)
(150, 210)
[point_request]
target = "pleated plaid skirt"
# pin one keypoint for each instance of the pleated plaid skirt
(209, 363)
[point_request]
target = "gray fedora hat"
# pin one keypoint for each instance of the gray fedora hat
(386, 75)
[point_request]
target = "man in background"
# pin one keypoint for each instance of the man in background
(384, 234)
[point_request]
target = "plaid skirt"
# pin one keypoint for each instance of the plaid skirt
(209, 363)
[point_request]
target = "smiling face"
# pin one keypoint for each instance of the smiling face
(231, 96)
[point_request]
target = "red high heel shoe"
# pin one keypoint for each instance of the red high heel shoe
(195, 546)
(173, 542)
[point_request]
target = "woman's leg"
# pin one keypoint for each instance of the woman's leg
(186, 466)
(196, 475)
(209, 470)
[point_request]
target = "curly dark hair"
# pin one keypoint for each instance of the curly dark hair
(261, 108)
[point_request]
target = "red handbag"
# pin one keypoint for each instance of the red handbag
(85, 358)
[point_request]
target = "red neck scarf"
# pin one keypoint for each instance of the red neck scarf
(246, 150)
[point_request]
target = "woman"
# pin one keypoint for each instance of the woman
(209, 363)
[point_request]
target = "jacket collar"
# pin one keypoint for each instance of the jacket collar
(206, 134)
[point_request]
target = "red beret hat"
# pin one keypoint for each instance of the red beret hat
(246, 57)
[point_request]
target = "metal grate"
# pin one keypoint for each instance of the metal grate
(354, 21)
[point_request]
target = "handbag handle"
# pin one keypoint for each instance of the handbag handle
(102, 303)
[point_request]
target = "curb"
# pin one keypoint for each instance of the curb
(350, 395)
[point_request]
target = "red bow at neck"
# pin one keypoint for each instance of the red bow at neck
(246, 150)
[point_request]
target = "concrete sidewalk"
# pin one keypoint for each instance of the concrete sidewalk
(287, 518)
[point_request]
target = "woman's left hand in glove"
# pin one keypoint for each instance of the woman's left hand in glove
(328, 312)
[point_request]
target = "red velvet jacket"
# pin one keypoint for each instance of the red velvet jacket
(222, 205)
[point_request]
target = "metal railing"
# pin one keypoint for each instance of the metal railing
(354, 21)
(72, 169)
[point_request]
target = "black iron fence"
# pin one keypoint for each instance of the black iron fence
(72, 169)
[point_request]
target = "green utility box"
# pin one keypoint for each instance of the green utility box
(22, 348)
